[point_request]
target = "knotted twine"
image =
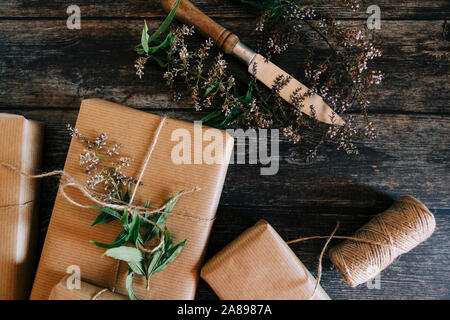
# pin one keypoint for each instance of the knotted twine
(375, 246)
(68, 181)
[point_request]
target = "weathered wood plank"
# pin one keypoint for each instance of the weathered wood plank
(44, 64)
(398, 9)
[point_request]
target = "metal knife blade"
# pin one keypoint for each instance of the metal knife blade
(267, 72)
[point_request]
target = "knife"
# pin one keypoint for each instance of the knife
(265, 71)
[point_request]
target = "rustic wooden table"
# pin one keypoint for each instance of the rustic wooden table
(46, 69)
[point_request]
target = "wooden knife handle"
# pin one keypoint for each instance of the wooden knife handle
(191, 15)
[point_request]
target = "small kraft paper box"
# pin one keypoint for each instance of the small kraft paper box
(259, 265)
(67, 244)
(86, 291)
(20, 146)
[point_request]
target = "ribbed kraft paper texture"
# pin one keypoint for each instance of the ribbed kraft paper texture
(259, 265)
(67, 240)
(86, 291)
(20, 146)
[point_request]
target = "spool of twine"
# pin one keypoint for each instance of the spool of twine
(402, 227)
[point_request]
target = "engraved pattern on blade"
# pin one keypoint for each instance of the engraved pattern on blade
(266, 72)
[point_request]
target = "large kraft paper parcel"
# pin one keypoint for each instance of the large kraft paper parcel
(20, 146)
(67, 241)
(259, 265)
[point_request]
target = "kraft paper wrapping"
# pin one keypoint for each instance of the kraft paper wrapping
(86, 291)
(67, 241)
(259, 265)
(20, 146)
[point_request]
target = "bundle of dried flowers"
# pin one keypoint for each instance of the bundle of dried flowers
(342, 78)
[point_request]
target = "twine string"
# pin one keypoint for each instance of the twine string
(403, 226)
(319, 268)
(329, 238)
(144, 167)
(68, 181)
(98, 294)
(147, 158)
(373, 247)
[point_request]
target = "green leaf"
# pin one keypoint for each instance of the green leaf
(170, 207)
(210, 88)
(139, 50)
(134, 228)
(129, 285)
(124, 219)
(159, 219)
(106, 215)
(154, 262)
(172, 254)
(167, 239)
(137, 267)
(163, 27)
(248, 96)
(145, 38)
(125, 253)
(167, 41)
(127, 195)
(120, 240)
(211, 116)
(102, 218)
(234, 112)
(159, 61)
(107, 210)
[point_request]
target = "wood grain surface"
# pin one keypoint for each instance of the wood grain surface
(46, 69)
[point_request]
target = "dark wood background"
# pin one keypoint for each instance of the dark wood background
(46, 69)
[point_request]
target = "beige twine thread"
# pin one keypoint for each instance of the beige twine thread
(393, 232)
(329, 238)
(92, 195)
(403, 226)
(98, 294)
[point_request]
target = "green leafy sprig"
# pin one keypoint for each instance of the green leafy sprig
(140, 227)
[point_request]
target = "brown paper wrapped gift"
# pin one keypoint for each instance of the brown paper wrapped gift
(259, 265)
(86, 291)
(67, 241)
(20, 146)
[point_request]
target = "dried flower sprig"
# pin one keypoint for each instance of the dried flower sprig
(342, 79)
(109, 184)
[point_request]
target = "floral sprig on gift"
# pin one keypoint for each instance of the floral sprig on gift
(107, 182)
(342, 80)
